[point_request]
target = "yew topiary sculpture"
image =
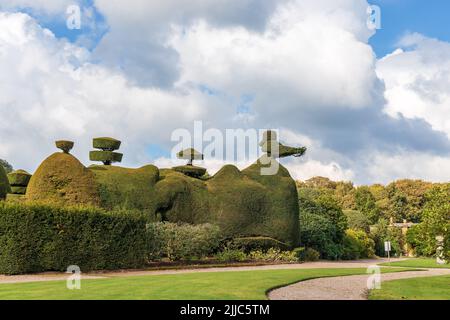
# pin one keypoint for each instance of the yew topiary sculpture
(107, 155)
(19, 180)
(189, 169)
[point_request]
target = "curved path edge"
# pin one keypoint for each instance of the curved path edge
(344, 287)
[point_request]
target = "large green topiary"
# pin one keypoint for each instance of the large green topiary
(19, 178)
(107, 155)
(242, 204)
(63, 180)
(127, 188)
(4, 184)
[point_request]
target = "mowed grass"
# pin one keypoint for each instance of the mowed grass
(417, 263)
(238, 285)
(428, 288)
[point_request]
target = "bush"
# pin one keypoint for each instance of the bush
(357, 245)
(273, 255)
(182, 241)
(37, 238)
(311, 255)
(306, 254)
(263, 244)
(231, 255)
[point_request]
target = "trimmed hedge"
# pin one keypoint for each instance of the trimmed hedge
(106, 144)
(36, 238)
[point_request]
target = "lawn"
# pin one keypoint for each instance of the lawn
(239, 285)
(417, 263)
(428, 288)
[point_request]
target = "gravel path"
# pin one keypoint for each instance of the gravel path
(127, 273)
(343, 288)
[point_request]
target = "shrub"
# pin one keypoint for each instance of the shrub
(306, 254)
(36, 238)
(249, 244)
(357, 245)
(273, 255)
(311, 255)
(64, 145)
(231, 255)
(182, 241)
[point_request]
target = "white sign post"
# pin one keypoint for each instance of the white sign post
(387, 248)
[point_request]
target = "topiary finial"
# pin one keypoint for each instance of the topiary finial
(190, 154)
(64, 145)
(107, 155)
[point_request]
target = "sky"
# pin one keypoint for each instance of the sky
(371, 106)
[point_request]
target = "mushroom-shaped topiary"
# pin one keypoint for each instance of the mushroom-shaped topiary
(189, 169)
(64, 145)
(190, 155)
(19, 180)
(107, 155)
(274, 149)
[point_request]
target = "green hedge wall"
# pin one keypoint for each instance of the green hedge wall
(36, 238)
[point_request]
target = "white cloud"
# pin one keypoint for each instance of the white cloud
(51, 92)
(383, 168)
(417, 79)
(47, 7)
(307, 70)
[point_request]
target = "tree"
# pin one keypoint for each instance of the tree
(322, 222)
(365, 202)
(435, 221)
(107, 155)
(8, 168)
(357, 220)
